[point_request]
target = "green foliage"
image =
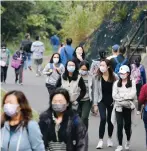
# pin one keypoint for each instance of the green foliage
(84, 18)
(137, 11)
(121, 13)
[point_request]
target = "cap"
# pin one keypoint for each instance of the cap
(124, 69)
(115, 47)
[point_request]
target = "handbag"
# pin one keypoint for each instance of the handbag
(2, 63)
(15, 63)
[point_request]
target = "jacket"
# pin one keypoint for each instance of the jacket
(71, 129)
(143, 94)
(68, 55)
(24, 138)
(5, 56)
(97, 88)
(18, 55)
(26, 45)
(37, 48)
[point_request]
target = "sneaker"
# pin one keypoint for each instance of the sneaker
(138, 112)
(109, 142)
(119, 148)
(127, 145)
(100, 144)
(20, 83)
(16, 81)
(37, 75)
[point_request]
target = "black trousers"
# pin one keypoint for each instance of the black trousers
(123, 121)
(4, 73)
(105, 117)
(50, 88)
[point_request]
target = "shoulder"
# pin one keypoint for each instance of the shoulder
(32, 125)
(45, 115)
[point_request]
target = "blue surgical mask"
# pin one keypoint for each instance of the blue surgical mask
(71, 68)
(83, 72)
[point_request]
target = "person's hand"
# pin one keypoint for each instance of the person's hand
(75, 105)
(95, 109)
(79, 57)
(18, 58)
(58, 69)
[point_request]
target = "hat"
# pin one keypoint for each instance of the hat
(124, 69)
(115, 47)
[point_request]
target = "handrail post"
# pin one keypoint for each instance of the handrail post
(145, 30)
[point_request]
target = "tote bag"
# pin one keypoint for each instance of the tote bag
(15, 63)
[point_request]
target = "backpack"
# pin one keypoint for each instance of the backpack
(135, 73)
(119, 64)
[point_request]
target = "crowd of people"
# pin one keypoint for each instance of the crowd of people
(109, 86)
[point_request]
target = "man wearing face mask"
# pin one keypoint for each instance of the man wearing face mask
(4, 62)
(38, 48)
(138, 74)
(53, 70)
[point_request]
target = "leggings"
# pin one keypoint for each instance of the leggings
(123, 121)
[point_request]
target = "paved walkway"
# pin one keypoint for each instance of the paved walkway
(36, 92)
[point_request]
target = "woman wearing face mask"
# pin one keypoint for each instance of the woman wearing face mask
(73, 82)
(62, 129)
(138, 74)
(4, 62)
(19, 131)
(79, 55)
(124, 92)
(85, 103)
(102, 93)
(54, 69)
(19, 56)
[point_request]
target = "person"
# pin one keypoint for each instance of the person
(62, 128)
(96, 63)
(120, 60)
(124, 93)
(21, 56)
(73, 82)
(61, 46)
(67, 52)
(139, 75)
(55, 42)
(115, 49)
(54, 69)
(26, 45)
(86, 102)
(38, 48)
(19, 131)
(79, 55)
(143, 100)
(4, 62)
(102, 99)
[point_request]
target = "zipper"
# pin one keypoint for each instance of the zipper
(57, 127)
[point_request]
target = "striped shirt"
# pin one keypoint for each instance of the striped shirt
(56, 146)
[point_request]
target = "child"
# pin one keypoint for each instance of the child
(21, 56)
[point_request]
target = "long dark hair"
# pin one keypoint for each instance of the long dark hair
(75, 73)
(51, 60)
(112, 77)
(83, 54)
(26, 111)
(128, 84)
(85, 63)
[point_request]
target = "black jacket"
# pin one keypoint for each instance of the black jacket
(26, 45)
(71, 129)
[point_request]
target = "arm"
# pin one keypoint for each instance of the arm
(115, 93)
(32, 47)
(81, 135)
(83, 89)
(62, 56)
(35, 136)
(131, 95)
(142, 96)
(46, 69)
(143, 74)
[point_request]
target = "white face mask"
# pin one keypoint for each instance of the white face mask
(103, 69)
(123, 76)
(55, 60)
(10, 109)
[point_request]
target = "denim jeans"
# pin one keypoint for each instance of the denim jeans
(28, 61)
(145, 123)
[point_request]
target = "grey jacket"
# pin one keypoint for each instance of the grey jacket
(97, 89)
(24, 139)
